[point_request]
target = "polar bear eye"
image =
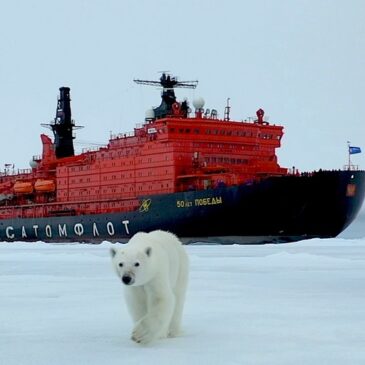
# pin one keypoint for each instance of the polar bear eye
(136, 264)
(121, 264)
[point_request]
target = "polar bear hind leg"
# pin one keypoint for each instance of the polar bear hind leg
(179, 291)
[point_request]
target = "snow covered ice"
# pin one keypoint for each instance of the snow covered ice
(296, 303)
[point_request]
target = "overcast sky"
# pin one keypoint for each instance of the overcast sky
(303, 62)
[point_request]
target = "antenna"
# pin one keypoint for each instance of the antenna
(168, 82)
(227, 110)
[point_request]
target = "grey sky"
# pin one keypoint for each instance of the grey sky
(303, 62)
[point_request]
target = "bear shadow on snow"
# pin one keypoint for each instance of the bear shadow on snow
(154, 269)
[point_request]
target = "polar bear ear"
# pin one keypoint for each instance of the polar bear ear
(113, 252)
(148, 251)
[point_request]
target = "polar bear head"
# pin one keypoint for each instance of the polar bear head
(134, 267)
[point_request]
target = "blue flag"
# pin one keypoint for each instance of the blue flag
(353, 150)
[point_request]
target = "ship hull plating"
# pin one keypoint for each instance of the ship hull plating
(276, 209)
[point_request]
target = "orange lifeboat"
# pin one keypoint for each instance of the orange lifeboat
(45, 186)
(23, 187)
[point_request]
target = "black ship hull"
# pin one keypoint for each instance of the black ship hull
(276, 209)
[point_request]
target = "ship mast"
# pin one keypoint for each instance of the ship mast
(168, 83)
(63, 125)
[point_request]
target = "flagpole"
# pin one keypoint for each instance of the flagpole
(348, 150)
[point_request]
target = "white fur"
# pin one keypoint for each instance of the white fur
(157, 266)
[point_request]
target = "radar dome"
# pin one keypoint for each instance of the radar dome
(150, 114)
(33, 164)
(198, 102)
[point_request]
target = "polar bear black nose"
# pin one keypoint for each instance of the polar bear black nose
(126, 279)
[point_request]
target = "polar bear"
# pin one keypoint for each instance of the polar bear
(154, 270)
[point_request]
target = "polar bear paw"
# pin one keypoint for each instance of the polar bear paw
(173, 333)
(143, 333)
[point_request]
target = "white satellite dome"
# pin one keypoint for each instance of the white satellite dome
(33, 164)
(198, 102)
(150, 114)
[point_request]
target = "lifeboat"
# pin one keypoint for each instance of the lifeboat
(23, 187)
(45, 186)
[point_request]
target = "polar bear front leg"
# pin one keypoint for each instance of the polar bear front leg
(160, 307)
(136, 300)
